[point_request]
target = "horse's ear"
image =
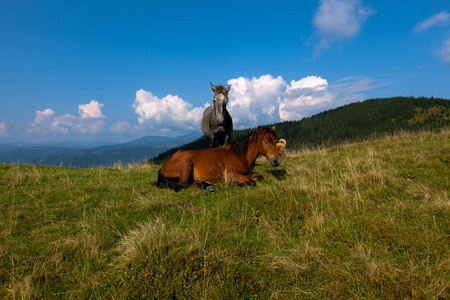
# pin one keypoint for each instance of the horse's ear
(213, 87)
(229, 87)
(273, 128)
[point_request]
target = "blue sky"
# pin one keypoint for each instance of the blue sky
(118, 70)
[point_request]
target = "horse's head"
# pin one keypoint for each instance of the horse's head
(220, 101)
(267, 140)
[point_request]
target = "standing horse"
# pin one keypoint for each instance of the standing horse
(234, 161)
(217, 124)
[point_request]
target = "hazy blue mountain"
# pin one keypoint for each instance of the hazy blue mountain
(28, 154)
(6, 148)
(134, 151)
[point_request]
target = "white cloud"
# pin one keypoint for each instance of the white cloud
(3, 129)
(351, 86)
(439, 19)
(250, 98)
(311, 82)
(352, 89)
(444, 52)
(43, 122)
(166, 115)
(90, 121)
(304, 97)
(253, 100)
(91, 110)
(337, 20)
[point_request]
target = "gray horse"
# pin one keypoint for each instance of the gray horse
(217, 124)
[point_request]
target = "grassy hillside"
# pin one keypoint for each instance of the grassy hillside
(364, 220)
(353, 122)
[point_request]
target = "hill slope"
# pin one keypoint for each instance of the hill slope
(365, 220)
(352, 122)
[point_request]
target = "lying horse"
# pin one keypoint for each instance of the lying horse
(234, 161)
(217, 124)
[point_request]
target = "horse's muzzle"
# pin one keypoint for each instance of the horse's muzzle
(220, 121)
(274, 161)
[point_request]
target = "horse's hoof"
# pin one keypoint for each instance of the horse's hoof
(259, 178)
(211, 189)
(207, 186)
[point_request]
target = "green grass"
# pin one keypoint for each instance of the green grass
(368, 220)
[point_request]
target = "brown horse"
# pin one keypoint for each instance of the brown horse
(234, 161)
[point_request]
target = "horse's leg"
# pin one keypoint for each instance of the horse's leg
(227, 139)
(204, 185)
(253, 175)
(186, 173)
(222, 141)
(242, 180)
(210, 138)
(257, 177)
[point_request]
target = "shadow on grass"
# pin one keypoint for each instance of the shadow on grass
(279, 174)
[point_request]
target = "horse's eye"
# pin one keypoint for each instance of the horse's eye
(267, 143)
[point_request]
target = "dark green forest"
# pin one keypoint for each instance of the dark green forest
(352, 122)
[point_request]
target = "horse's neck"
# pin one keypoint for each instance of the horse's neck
(252, 152)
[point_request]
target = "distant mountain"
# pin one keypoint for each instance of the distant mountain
(152, 141)
(130, 152)
(28, 154)
(352, 122)
(6, 148)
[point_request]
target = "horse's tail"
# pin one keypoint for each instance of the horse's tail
(164, 182)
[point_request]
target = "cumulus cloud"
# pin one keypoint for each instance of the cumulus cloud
(337, 20)
(89, 121)
(166, 115)
(250, 98)
(439, 19)
(91, 110)
(304, 97)
(311, 82)
(3, 129)
(253, 100)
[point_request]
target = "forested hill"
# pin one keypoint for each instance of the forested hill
(352, 122)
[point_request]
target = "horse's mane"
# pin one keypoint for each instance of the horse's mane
(221, 89)
(240, 146)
